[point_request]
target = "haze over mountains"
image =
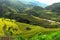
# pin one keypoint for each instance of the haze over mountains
(33, 2)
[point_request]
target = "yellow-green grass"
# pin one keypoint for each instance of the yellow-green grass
(34, 29)
(22, 28)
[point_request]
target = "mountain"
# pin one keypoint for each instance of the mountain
(15, 4)
(35, 3)
(54, 7)
(21, 5)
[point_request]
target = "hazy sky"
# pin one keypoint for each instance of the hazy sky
(48, 2)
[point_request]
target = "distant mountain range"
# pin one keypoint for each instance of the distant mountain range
(24, 3)
(35, 3)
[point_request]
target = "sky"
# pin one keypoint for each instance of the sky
(48, 2)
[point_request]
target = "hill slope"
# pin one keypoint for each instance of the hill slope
(11, 27)
(54, 7)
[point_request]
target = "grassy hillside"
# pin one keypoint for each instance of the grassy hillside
(30, 19)
(11, 27)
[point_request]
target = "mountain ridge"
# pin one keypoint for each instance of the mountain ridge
(36, 3)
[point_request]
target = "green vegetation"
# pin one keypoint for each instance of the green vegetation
(12, 28)
(19, 21)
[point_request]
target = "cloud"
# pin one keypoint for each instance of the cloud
(48, 2)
